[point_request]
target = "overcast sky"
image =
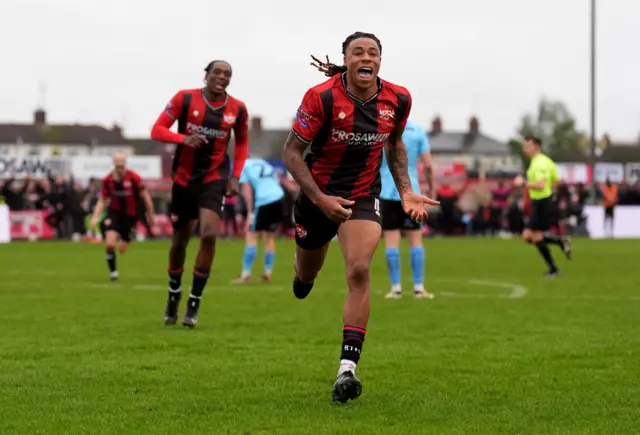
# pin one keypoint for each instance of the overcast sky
(121, 60)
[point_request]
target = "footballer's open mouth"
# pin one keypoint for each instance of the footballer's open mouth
(365, 72)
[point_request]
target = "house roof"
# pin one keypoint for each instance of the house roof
(463, 142)
(616, 153)
(72, 134)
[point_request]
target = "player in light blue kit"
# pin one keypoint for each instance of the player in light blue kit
(395, 220)
(263, 194)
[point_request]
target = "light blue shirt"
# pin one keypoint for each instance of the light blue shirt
(417, 143)
(264, 180)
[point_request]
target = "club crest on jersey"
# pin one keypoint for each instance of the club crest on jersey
(387, 114)
(196, 113)
(301, 231)
(342, 115)
(229, 119)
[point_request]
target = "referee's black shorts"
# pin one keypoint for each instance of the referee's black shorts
(543, 214)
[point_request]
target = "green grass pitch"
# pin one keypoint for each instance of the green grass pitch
(501, 350)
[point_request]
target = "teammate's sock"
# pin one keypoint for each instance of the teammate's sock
(248, 259)
(417, 266)
(552, 239)
(352, 340)
(393, 265)
(111, 259)
(200, 277)
(269, 258)
(546, 254)
(175, 280)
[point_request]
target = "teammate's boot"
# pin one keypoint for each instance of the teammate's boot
(346, 387)
(552, 273)
(171, 310)
(393, 294)
(566, 248)
(301, 289)
(266, 277)
(242, 280)
(423, 294)
(191, 315)
(114, 276)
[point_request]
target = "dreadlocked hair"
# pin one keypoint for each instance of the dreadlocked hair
(210, 65)
(359, 35)
(333, 69)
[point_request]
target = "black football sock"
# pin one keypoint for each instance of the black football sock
(352, 340)
(175, 280)
(552, 239)
(546, 254)
(111, 259)
(200, 277)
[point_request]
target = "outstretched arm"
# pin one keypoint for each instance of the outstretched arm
(295, 164)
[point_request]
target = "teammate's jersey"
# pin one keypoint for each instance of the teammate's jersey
(542, 167)
(264, 180)
(347, 135)
(123, 194)
(417, 143)
(214, 120)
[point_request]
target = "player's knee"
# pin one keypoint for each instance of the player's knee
(208, 234)
(358, 272)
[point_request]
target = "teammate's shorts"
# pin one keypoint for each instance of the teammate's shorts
(186, 201)
(120, 223)
(543, 213)
(267, 217)
(394, 217)
(609, 212)
(314, 229)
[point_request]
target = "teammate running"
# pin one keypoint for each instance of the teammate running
(542, 175)
(264, 196)
(202, 175)
(121, 189)
(346, 122)
(394, 218)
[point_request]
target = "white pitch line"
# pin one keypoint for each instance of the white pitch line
(517, 291)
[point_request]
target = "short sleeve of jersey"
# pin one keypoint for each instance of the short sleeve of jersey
(553, 172)
(309, 117)
(424, 146)
(174, 107)
(137, 180)
(106, 189)
(241, 127)
(244, 176)
(404, 109)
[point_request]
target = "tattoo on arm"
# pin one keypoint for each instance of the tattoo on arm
(398, 162)
(295, 164)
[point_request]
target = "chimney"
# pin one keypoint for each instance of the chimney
(256, 123)
(436, 125)
(39, 117)
(117, 129)
(474, 126)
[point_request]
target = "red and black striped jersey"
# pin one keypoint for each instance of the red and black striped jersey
(123, 193)
(347, 135)
(216, 120)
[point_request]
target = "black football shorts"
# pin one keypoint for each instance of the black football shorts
(314, 229)
(120, 223)
(394, 217)
(268, 217)
(542, 214)
(186, 201)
